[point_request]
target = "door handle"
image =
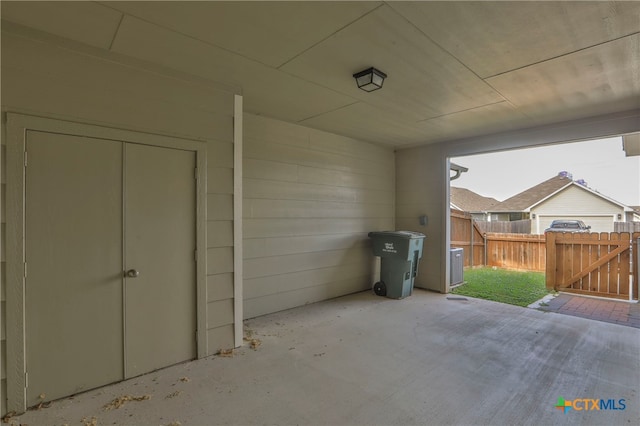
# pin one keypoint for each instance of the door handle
(132, 273)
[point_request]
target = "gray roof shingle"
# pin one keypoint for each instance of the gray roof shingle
(531, 196)
(469, 201)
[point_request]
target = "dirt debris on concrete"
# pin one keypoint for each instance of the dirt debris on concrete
(226, 353)
(173, 394)
(93, 421)
(175, 423)
(185, 379)
(123, 399)
(249, 336)
(43, 405)
(248, 332)
(7, 417)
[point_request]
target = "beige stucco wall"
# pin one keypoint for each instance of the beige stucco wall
(310, 198)
(43, 79)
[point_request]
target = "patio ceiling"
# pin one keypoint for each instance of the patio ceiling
(456, 69)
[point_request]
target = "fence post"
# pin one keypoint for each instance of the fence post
(484, 237)
(550, 272)
(471, 242)
(636, 268)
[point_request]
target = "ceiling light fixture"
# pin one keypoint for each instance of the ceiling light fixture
(370, 79)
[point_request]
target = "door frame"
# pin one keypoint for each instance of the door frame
(17, 127)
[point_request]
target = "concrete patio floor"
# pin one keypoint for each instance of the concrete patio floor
(362, 359)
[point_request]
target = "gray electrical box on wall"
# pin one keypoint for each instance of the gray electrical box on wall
(456, 273)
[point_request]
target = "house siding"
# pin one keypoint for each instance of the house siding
(575, 202)
(500, 216)
(42, 78)
(310, 198)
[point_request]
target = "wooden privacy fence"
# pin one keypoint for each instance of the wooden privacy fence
(599, 264)
(503, 250)
(626, 226)
(602, 264)
(466, 235)
(516, 251)
(512, 227)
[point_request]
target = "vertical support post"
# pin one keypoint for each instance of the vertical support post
(16, 396)
(484, 237)
(633, 294)
(550, 272)
(471, 243)
(237, 221)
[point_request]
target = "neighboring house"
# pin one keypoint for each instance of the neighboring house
(563, 198)
(471, 202)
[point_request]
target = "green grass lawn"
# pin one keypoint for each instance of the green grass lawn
(500, 285)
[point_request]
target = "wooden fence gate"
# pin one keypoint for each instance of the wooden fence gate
(466, 234)
(596, 264)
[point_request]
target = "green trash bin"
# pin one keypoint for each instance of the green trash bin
(400, 252)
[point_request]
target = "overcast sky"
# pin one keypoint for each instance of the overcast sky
(601, 163)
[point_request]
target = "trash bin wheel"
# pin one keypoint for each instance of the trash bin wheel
(380, 288)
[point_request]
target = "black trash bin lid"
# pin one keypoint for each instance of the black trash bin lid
(402, 234)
